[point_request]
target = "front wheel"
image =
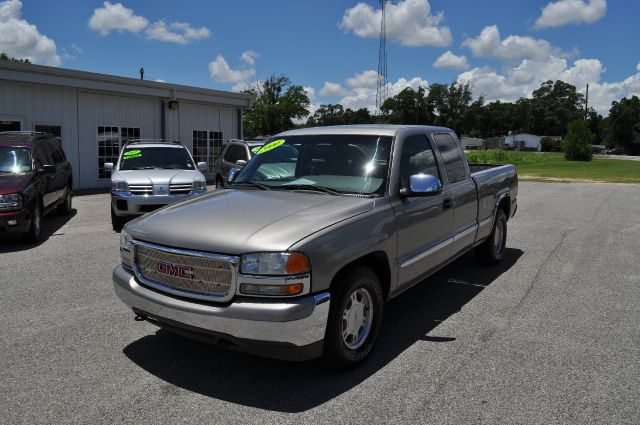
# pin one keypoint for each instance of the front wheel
(65, 207)
(35, 229)
(117, 222)
(355, 317)
(491, 251)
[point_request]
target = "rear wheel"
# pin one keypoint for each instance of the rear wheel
(35, 230)
(219, 183)
(491, 251)
(117, 222)
(355, 317)
(65, 207)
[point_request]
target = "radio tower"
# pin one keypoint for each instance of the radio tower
(382, 91)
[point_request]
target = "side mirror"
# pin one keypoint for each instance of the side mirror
(49, 169)
(232, 174)
(241, 163)
(203, 166)
(422, 185)
(108, 166)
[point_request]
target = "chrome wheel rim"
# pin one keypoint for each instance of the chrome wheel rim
(498, 238)
(357, 318)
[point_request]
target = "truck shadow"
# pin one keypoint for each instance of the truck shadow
(296, 387)
(51, 224)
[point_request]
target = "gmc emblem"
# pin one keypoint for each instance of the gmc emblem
(177, 270)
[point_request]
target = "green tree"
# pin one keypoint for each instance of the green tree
(408, 107)
(553, 106)
(577, 143)
(4, 57)
(624, 125)
(275, 108)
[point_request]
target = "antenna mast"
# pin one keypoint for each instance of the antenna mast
(382, 90)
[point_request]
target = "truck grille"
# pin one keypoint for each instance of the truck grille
(180, 189)
(187, 273)
(141, 189)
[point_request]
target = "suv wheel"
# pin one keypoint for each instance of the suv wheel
(117, 222)
(355, 317)
(65, 207)
(35, 230)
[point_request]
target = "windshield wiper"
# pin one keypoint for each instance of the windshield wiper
(310, 187)
(252, 183)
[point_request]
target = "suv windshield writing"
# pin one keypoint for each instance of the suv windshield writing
(341, 163)
(15, 160)
(159, 157)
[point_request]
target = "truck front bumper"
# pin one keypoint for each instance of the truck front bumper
(292, 330)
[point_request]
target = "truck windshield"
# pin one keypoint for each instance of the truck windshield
(356, 164)
(15, 160)
(156, 157)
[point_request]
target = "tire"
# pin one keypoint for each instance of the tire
(491, 251)
(219, 183)
(352, 332)
(117, 222)
(65, 207)
(35, 229)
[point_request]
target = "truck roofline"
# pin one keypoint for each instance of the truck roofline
(361, 129)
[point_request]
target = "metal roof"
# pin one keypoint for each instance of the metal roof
(39, 74)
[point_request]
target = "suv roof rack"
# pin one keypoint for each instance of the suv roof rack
(232, 140)
(139, 141)
(26, 133)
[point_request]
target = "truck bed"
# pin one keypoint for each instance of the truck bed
(493, 181)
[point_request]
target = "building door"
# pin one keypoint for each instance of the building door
(207, 146)
(10, 125)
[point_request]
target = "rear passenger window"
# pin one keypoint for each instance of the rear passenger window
(451, 157)
(57, 154)
(417, 158)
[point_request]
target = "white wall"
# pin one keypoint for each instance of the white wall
(531, 140)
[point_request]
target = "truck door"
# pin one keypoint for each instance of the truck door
(424, 222)
(463, 191)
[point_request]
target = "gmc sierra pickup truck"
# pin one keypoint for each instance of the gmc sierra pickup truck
(297, 257)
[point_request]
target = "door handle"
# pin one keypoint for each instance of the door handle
(447, 203)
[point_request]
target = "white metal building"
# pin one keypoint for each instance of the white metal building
(94, 114)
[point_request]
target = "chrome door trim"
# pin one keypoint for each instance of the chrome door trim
(426, 253)
(465, 233)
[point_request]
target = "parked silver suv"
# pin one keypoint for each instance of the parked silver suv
(150, 175)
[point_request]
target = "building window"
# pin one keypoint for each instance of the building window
(207, 146)
(10, 125)
(54, 130)
(110, 142)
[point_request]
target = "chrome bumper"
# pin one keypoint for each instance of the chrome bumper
(135, 202)
(300, 322)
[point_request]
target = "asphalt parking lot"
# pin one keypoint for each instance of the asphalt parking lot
(552, 335)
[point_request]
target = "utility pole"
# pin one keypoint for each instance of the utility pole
(586, 104)
(382, 90)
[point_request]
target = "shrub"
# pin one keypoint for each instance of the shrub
(549, 145)
(577, 143)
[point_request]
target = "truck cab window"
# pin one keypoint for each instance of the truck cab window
(417, 158)
(451, 157)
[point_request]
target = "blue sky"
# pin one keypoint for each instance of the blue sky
(503, 48)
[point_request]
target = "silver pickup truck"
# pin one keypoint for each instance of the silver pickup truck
(297, 258)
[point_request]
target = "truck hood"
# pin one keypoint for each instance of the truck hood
(13, 183)
(239, 221)
(135, 177)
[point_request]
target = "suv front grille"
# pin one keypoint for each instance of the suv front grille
(141, 189)
(186, 273)
(180, 189)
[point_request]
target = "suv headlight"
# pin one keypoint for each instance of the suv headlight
(120, 186)
(12, 201)
(126, 248)
(199, 185)
(275, 263)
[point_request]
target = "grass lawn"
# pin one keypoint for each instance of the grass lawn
(553, 166)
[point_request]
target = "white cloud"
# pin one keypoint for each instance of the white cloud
(489, 44)
(332, 89)
(564, 12)
(249, 57)
(363, 89)
(451, 61)
(638, 67)
(176, 32)
(116, 17)
(20, 39)
(76, 48)
(221, 72)
(409, 22)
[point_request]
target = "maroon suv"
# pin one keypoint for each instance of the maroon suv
(35, 179)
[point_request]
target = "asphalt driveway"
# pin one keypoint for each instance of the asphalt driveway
(552, 335)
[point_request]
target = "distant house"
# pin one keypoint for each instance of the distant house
(472, 143)
(526, 141)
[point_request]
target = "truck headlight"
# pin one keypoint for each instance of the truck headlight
(126, 249)
(119, 186)
(199, 185)
(12, 201)
(275, 263)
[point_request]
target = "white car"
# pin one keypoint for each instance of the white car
(150, 175)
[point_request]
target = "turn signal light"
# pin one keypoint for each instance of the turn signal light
(297, 263)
